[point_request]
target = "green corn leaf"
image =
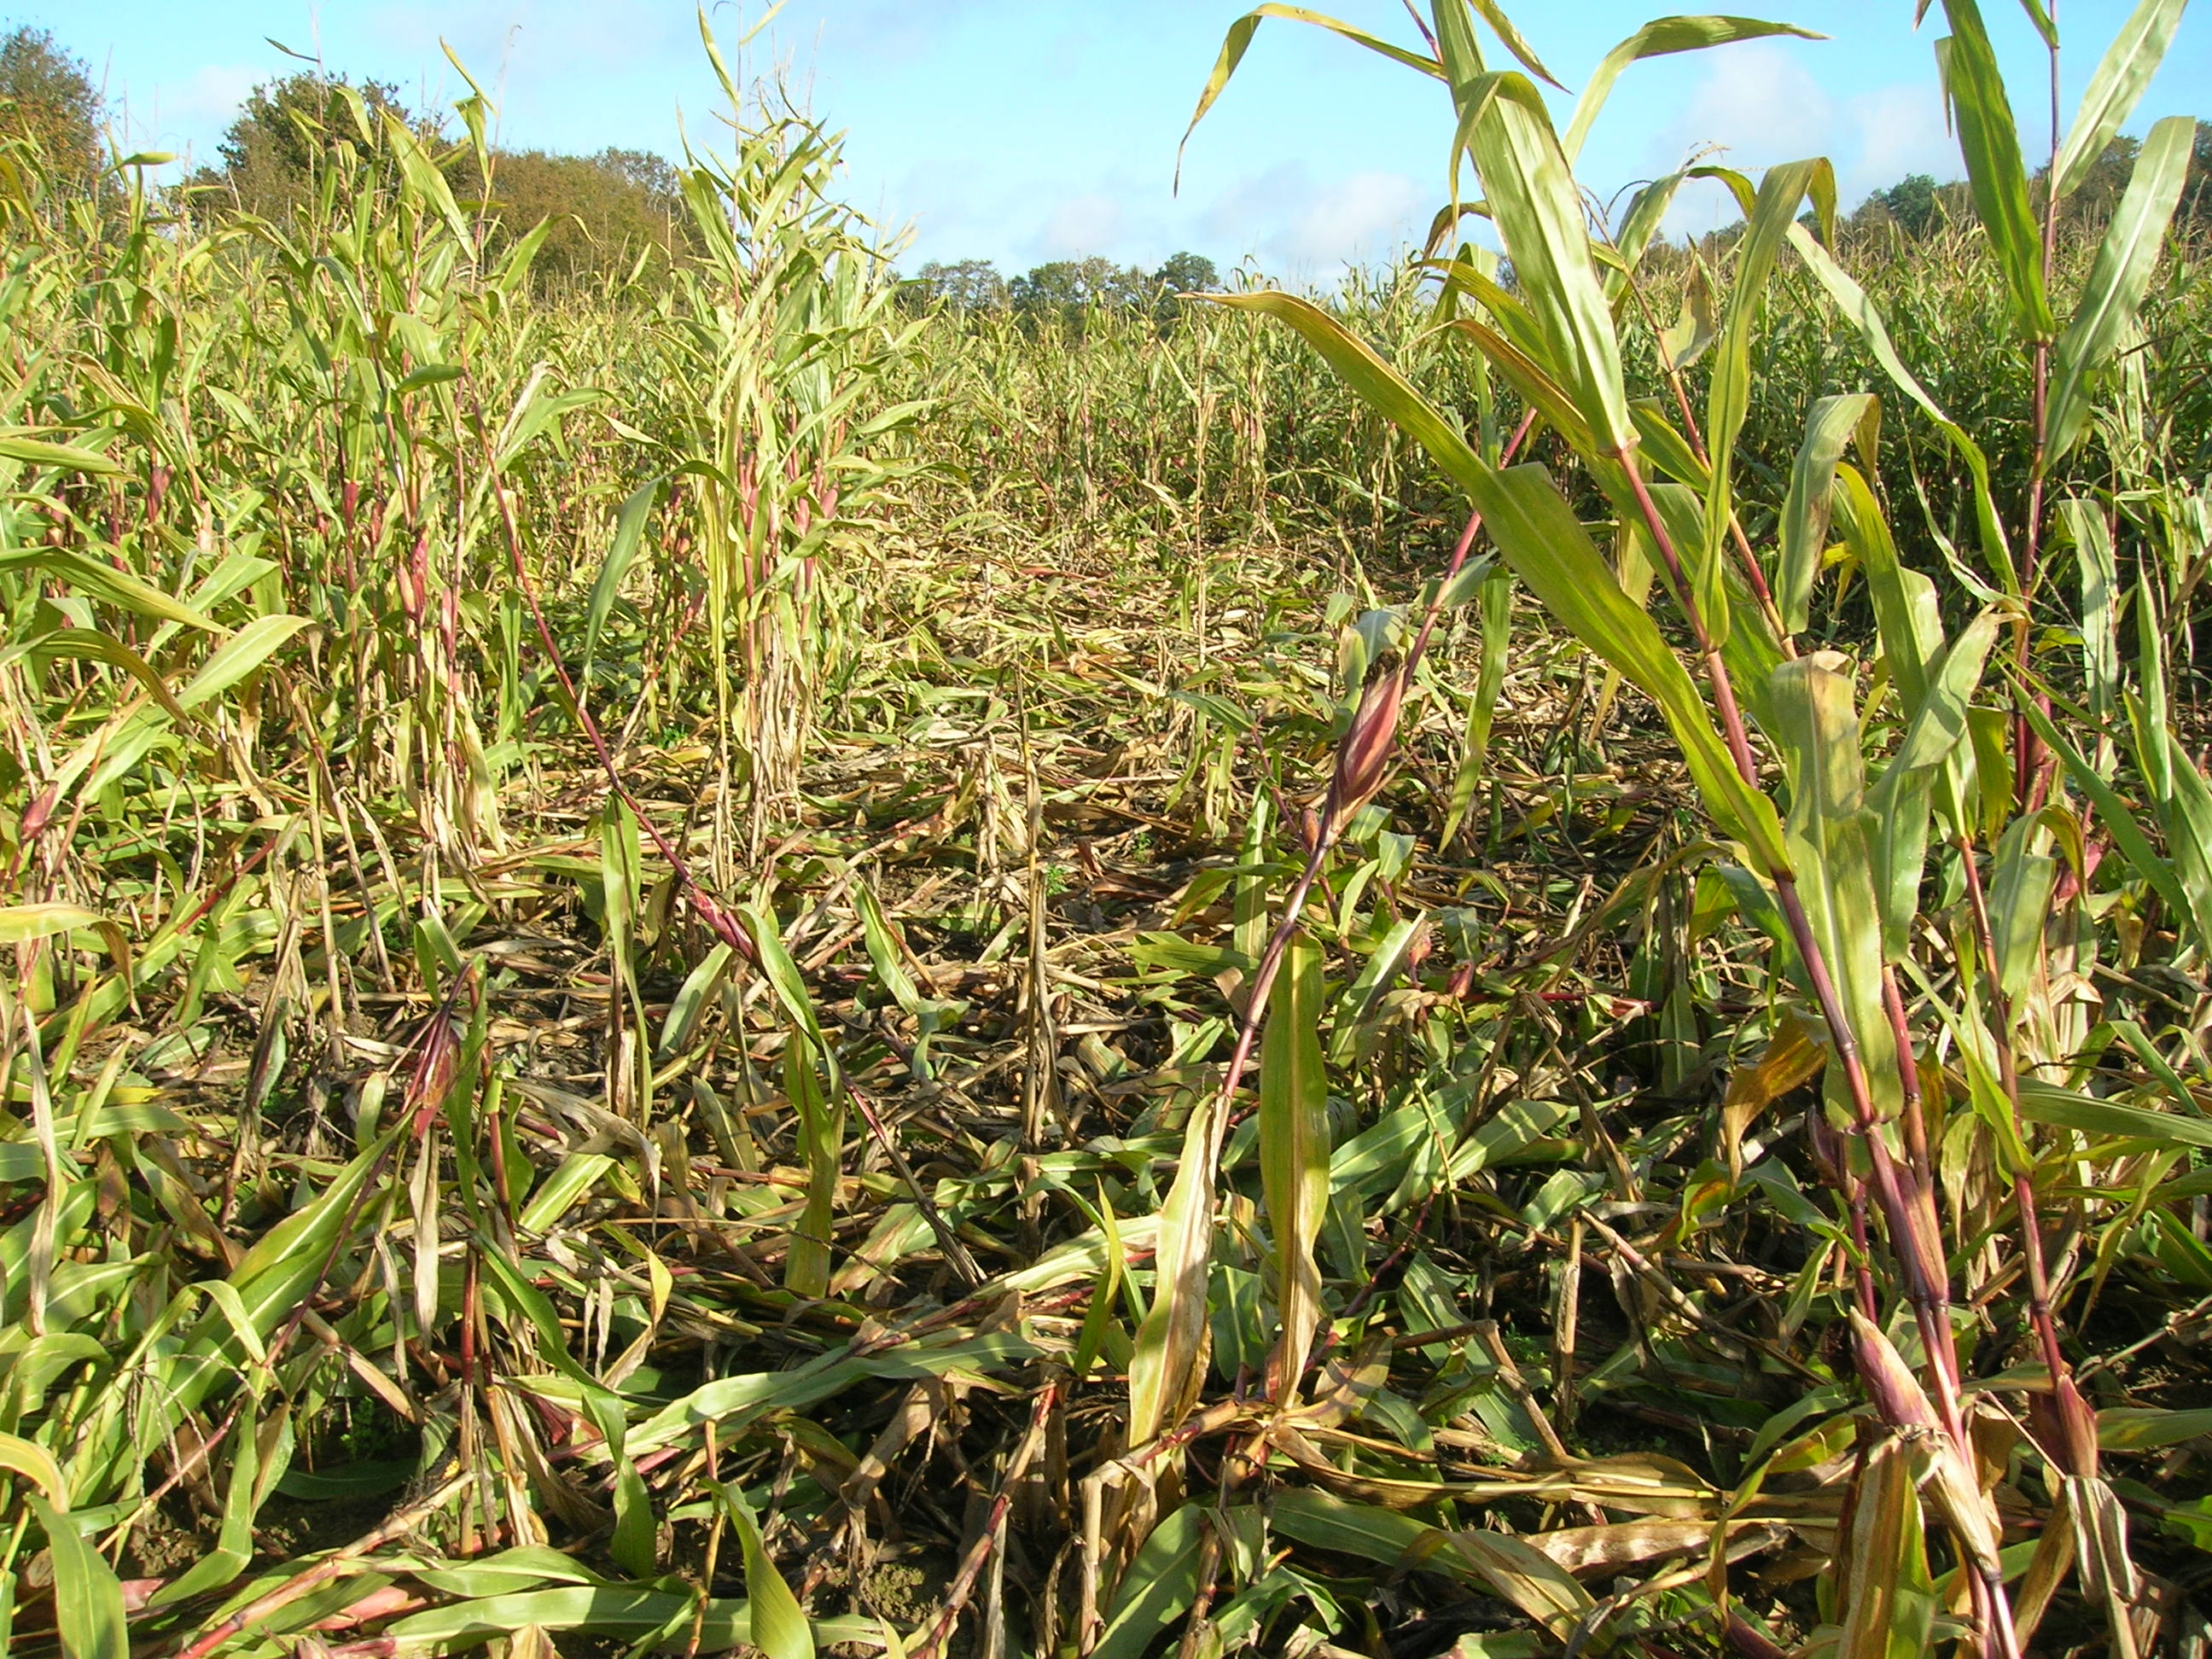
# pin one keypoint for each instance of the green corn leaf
(579, 1173)
(2092, 536)
(2128, 836)
(2039, 15)
(1647, 210)
(690, 1004)
(20, 924)
(1659, 39)
(513, 271)
(1451, 22)
(525, 1567)
(20, 445)
(108, 584)
(1501, 26)
(35, 1463)
(1512, 1569)
(1830, 841)
(1728, 400)
(779, 1628)
(621, 888)
(423, 179)
(1667, 450)
(2118, 278)
(629, 529)
(1901, 799)
(233, 1545)
(1482, 707)
(1698, 326)
(1239, 38)
(2125, 1428)
(1530, 187)
(1891, 1609)
(731, 1402)
(821, 1136)
(1853, 301)
(289, 1257)
(1364, 1531)
(1521, 1573)
(1294, 1153)
(1906, 616)
(2147, 707)
(1750, 651)
(1549, 550)
(1505, 309)
(884, 950)
(1524, 372)
(1098, 1319)
(1161, 1581)
(87, 1595)
(2122, 75)
(2186, 811)
(1828, 431)
(1990, 144)
(2156, 1063)
(2021, 883)
(2064, 1109)
(619, 1611)
(534, 411)
(88, 645)
(783, 974)
(241, 655)
(1163, 1369)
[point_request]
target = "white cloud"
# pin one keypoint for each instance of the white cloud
(532, 37)
(1897, 130)
(1365, 217)
(188, 117)
(1254, 203)
(1301, 226)
(1081, 226)
(894, 31)
(1757, 105)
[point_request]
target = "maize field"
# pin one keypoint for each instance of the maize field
(1512, 963)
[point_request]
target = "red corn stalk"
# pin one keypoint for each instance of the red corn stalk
(1921, 1255)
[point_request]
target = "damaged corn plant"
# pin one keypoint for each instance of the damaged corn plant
(711, 969)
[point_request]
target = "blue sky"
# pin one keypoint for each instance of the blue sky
(1022, 131)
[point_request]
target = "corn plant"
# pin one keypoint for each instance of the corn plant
(1832, 860)
(698, 965)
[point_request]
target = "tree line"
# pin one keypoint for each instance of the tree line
(604, 213)
(1918, 206)
(608, 213)
(1065, 289)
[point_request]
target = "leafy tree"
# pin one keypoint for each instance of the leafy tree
(656, 175)
(2093, 202)
(601, 211)
(1182, 273)
(289, 128)
(1065, 289)
(47, 97)
(1188, 273)
(2099, 191)
(1916, 207)
(2197, 194)
(1914, 204)
(963, 285)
